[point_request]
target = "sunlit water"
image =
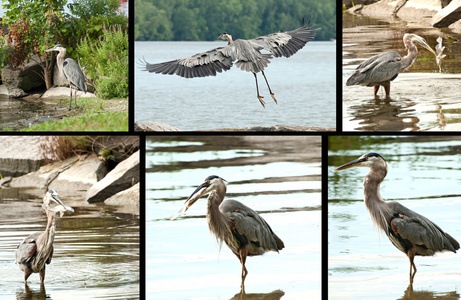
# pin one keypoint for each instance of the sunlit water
(362, 263)
(96, 252)
(304, 86)
(183, 259)
(421, 99)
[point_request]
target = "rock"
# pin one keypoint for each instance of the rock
(127, 197)
(450, 14)
(355, 9)
(5, 180)
(23, 78)
(64, 92)
(277, 128)
(153, 126)
(20, 155)
(71, 176)
(122, 177)
(120, 146)
(4, 90)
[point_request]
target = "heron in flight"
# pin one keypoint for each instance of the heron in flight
(71, 71)
(240, 227)
(381, 69)
(247, 53)
(410, 232)
(36, 250)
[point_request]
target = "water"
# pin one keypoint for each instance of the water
(304, 85)
(422, 99)
(96, 251)
(279, 177)
(423, 176)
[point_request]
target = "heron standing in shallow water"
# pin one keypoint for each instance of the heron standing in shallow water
(240, 227)
(381, 69)
(71, 71)
(246, 52)
(410, 232)
(37, 249)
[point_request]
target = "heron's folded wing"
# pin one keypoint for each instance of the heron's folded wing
(199, 65)
(287, 43)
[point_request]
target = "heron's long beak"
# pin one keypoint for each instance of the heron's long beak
(59, 207)
(354, 163)
(199, 192)
(221, 37)
(423, 43)
(51, 49)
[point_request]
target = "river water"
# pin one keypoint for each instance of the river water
(96, 250)
(279, 177)
(423, 176)
(304, 86)
(422, 99)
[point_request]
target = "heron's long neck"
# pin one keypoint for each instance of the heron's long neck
(217, 221)
(409, 59)
(374, 202)
(60, 58)
(229, 39)
(45, 240)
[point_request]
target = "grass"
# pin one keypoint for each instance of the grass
(92, 114)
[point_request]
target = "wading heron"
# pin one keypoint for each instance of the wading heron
(240, 227)
(71, 71)
(381, 69)
(409, 231)
(37, 249)
(246, 52)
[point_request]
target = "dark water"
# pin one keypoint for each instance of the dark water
(279, 177)
(96, 252)
(422, 99)
(423, 176)
(304, 86)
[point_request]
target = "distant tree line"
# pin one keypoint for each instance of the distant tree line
(192, 20)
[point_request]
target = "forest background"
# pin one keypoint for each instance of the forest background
(205, 20)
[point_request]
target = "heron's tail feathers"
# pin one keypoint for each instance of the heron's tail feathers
(454, 245)
(256, 66)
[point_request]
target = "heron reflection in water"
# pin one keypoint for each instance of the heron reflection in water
(410, 232)
(36, 250)
(381, 69)
(241, 228)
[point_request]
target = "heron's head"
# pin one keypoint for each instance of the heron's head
(58, 48)
(225, 36)
(417, 39)
(211, 183)
(370, 160)
(52, 197)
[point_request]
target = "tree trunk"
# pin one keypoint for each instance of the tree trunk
(49, 71)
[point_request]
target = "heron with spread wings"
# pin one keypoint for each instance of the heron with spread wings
(247, 53)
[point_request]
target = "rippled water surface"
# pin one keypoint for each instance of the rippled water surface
(424, 175)
(278, 177)
(304, 86)
(96, 251)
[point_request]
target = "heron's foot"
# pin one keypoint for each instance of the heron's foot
(273, 97)
(262, 101)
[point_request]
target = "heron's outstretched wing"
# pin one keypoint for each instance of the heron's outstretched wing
(252, 227)
(379, 68)
(287, 43)
(420, 231)
(198, 65)
(27, 249)
(74, 74)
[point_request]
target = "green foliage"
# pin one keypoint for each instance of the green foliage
(106, 61)
(86, 9)
(207, 19)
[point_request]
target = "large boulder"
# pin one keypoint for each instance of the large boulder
(122, 177)
(153, 126)
(127, 197)
(448, 15)
(24, 78)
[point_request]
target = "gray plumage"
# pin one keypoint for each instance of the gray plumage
(409, 231)
(381, 69)
(71, 70)
(247, 53)
(36, 250)
(241, 228)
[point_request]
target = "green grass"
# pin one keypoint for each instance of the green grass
(92, 115)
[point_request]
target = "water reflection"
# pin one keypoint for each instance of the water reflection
(275, 295)
(277, 176)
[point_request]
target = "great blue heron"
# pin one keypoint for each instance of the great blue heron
(37, 249)
(410, 232)
(240, 227)
(381, 69)
(71, 71)
(246, 52)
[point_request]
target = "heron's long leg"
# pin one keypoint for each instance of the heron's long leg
(42, 275)
(387, 87)
(243, 252)
(272, 94)
(411, 255)
(75, 95)
(27, 273)
(257, 91)
(376, 89)
(70, 102)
